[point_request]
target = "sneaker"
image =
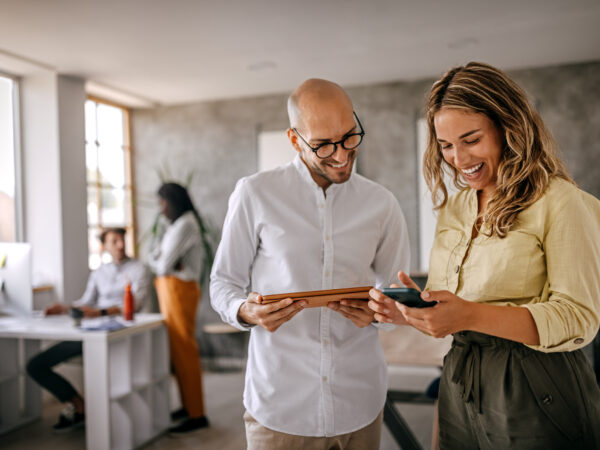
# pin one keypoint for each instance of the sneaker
(190, 425)
(69, 419)
(180, 414)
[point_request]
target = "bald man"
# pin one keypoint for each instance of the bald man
(316, 377)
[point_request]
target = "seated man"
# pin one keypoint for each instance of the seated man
(103, 296)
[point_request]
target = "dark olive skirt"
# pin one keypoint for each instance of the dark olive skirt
(499, 394)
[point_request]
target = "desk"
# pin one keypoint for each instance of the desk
(126, 377)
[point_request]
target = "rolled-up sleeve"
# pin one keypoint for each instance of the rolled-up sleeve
(567, 313)
(230, 276)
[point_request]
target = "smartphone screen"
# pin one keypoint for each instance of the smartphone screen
(407, 296)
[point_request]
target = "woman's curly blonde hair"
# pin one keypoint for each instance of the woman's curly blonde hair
(528, 161)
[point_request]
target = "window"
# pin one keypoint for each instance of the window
(8, 161)
(109, 183)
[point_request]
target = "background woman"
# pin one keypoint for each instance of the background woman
(515, 271)
(177, 263)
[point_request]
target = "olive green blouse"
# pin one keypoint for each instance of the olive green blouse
(548, 263)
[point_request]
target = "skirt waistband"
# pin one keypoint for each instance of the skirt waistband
(466, 366)
(483, 340)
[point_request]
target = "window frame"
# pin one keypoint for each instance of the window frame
(129, 186)
(19, 235)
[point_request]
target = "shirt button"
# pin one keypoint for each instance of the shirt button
(320, 205)
(325, 342)
(325, 379)
(327, 237)
(547, 399)
(578, 341)
(326, 274)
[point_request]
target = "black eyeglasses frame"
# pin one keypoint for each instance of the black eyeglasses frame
(335, 144)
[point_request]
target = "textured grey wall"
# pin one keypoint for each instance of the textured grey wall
(568, 99)
(217, 140)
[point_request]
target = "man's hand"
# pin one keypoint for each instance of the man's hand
(355, 310)
(270, 316)
(88, 311)
(55, 309)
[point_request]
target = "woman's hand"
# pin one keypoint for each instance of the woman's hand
(386, 310)
(450, 315)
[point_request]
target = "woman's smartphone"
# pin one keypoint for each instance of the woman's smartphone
(407, 296)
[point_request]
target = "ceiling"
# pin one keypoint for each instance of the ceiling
(182, 51)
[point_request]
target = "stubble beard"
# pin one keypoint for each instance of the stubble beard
(319, 170)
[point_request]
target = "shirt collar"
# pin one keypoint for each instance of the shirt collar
(303, 170)
(472, 212)
(118, 266)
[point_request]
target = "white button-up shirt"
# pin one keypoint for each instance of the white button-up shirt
(181, 243)
(106, 285)
(318, 374)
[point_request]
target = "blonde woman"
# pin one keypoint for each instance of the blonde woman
(515, 272)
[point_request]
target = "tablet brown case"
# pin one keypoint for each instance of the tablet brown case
(321, 298)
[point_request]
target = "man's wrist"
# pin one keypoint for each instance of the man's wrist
(240, 317)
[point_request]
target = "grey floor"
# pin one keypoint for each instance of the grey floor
(225, 409)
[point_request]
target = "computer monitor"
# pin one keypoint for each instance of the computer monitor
(16, 293)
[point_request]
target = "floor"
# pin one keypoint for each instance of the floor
(225, 409)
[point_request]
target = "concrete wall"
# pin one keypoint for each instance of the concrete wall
(568, 99)
(217, 140)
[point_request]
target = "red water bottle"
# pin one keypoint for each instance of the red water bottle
(128, 303)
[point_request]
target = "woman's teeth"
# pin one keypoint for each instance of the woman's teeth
(473, 169)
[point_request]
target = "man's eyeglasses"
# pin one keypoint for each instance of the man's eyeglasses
(348, 142)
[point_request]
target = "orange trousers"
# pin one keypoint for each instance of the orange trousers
(178, 302)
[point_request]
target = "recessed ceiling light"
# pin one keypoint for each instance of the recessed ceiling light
(463, 43)
(261, 66)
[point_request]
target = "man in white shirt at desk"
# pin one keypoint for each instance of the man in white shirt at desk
(316, 378)
(103, 296)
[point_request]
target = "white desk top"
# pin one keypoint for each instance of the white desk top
(61, 328)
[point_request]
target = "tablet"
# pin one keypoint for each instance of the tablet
(317, 299)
